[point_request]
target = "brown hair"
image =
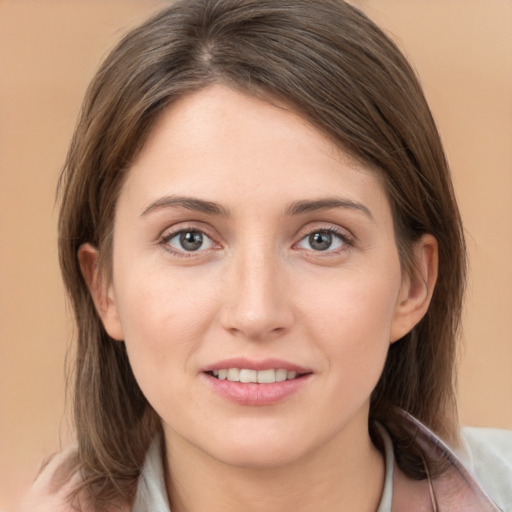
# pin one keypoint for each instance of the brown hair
(341, 72)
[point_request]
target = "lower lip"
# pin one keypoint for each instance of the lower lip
(256, 394)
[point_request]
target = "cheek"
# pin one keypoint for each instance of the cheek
(354, 305)
(164, 320)
(164, 317)
(351, 320)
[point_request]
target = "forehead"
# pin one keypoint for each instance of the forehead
(222, 142)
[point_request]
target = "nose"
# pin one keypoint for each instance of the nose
(258, 304)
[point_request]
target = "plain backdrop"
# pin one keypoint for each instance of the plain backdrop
(49, 50)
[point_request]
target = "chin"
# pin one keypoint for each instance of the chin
(264, 451)
(259, 457)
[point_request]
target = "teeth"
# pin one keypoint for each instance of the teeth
(260, 376)
(266, 376)
(248, 376)
(233, 375)
(281, 375)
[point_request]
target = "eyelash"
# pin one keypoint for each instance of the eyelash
(346, 240)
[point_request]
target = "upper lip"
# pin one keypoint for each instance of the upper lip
(252, 364)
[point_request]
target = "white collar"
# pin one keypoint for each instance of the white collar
(151, 491)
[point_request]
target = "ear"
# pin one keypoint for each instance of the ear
(417, 289)
(101, 292)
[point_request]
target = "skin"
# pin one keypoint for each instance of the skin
(258, 289)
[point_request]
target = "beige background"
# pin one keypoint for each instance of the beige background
(49, 49)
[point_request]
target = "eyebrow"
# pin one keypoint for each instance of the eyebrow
(307, 206)
(295, 208)
(189, 203)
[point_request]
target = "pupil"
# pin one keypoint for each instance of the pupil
(191, 240)
(320, 241)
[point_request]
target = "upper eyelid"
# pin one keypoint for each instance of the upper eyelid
(326, 227)
(173, 230)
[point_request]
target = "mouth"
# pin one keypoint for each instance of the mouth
(251, 382)
(247, 375)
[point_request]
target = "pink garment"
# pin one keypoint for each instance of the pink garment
(52, 487)
(455, 490)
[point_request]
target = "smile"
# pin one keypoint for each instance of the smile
(246, 375)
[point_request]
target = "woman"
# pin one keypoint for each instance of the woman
(265, 258)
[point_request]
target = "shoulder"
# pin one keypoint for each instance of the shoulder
(478, 472)
(54, 484)
(488, 454)
(54, 488)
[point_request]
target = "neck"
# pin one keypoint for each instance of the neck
(345, 473)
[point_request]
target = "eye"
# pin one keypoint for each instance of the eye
(188, 240)
(322, 240)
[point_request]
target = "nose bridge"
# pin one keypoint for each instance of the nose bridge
(257, 306)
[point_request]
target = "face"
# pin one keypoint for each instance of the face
(256, 281)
